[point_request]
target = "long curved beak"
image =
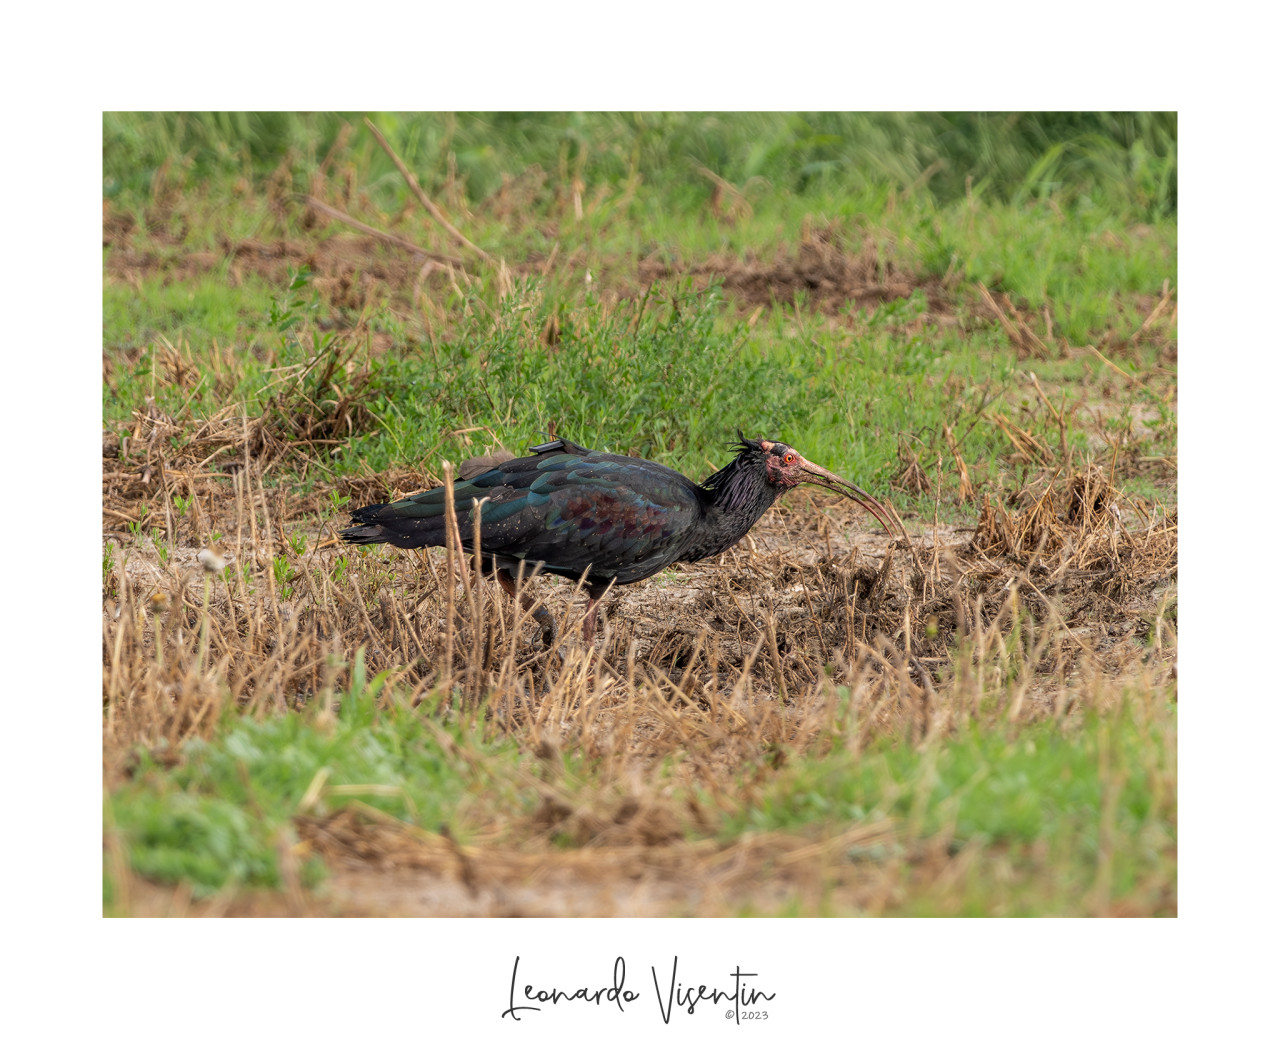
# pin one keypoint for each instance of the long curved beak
(816, 474)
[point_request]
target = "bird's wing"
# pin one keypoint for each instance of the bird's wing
(565, 509)
(419, 519)
(625, 517)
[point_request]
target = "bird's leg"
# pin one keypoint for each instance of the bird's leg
(540, 612)
(595, 591)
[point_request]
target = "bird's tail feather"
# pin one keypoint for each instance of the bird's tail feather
(407, 535)
(365, 533)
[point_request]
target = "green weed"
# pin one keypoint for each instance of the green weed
(219, 818)
(284, 573)
(161, 546)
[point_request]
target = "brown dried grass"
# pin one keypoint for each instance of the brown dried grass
(729, 658)
(706, 679)
(314, 406)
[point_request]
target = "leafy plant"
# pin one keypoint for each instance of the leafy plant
(285, 574)
(110, 582)
(161, 546)
(339, 569)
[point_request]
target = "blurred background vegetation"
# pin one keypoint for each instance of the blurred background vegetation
(1116, 157)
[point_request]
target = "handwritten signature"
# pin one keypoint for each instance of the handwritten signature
(677, 994)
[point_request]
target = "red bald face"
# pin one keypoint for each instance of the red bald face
(786, 468)
(783, 464)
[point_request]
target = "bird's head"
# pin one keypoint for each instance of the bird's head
(785, 467)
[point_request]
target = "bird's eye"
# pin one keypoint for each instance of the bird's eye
(790, 458)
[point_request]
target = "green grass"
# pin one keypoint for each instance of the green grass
(201, 311)
(1090, 157)
(1058, 805)
(982, 784)
(671, 385)
(1078, 233)
(219, 818)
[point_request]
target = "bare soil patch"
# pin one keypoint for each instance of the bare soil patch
(822, 268)
(351, 270)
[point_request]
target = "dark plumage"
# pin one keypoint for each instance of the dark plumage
(573, 511)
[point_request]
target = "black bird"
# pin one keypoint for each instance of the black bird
(612, 518)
